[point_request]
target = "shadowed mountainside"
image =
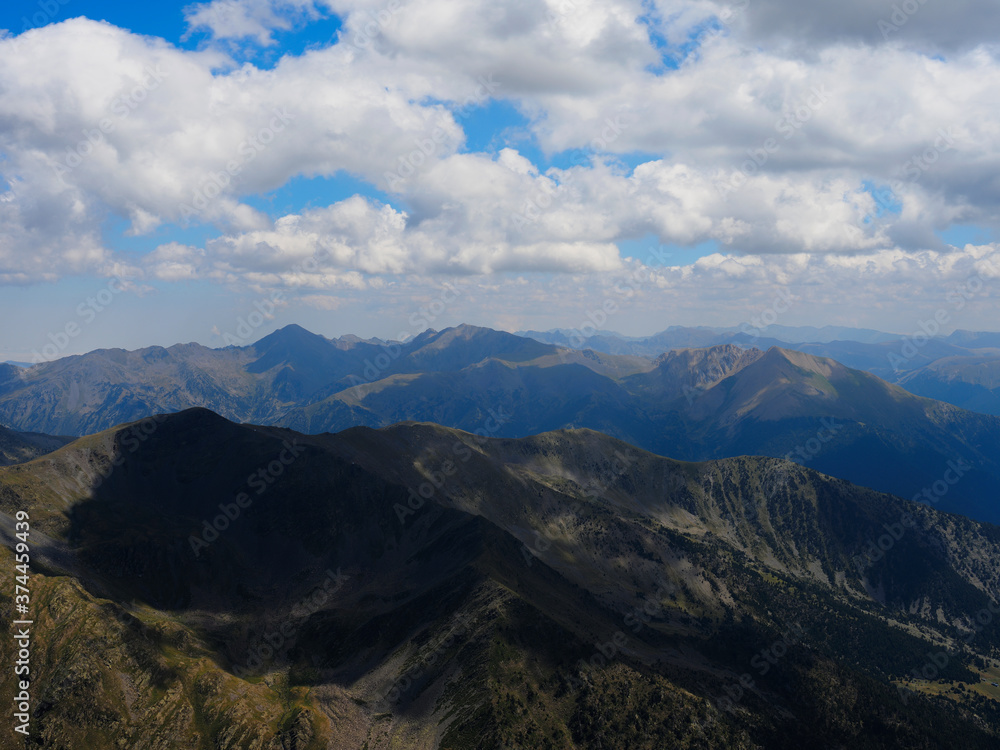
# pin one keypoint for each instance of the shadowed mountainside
(200, 583)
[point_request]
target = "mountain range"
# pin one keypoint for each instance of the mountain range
(691, 404)
(199, 583)
(960, 368)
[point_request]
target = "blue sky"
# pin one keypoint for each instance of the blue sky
(350, 157)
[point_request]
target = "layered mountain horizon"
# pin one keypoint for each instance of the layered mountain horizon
(962, 368)
(689, 403)
(476, 539)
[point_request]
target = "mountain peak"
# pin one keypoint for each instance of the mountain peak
(469, 331)
(293, 332)
(293, 343)
(469, 344)
(695, 354)
(196, 416)
(819, 365)
(678, 370)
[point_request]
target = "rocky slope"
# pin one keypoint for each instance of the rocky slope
(203, 584)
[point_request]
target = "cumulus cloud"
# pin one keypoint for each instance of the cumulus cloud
(339, 244)
(780, 134)
(248, 19)
(921, 24)
(845, 116)
(532, 46)
(95, 121)
(175, 262)
(894, 290)
(473, 214)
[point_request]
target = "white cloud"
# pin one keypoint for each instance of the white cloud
(336, 245)
(922, 24)
(253, 19)
(95, 121)
(891, 290)
(529, 45)
(187, 137)
(175, 262)
(840, 115)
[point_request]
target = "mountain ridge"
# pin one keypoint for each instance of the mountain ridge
(521, 589)
(691, 404)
